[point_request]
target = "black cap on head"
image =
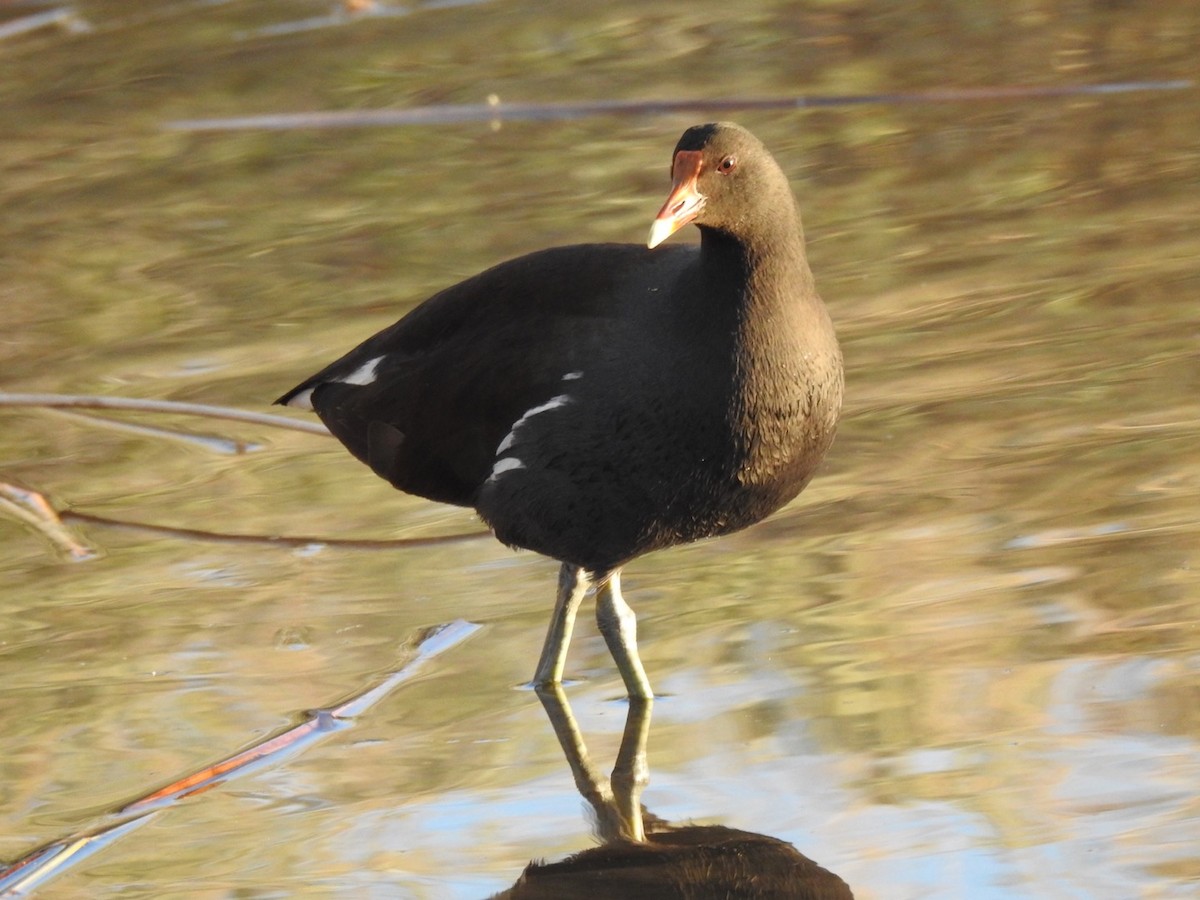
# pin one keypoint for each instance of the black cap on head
(697, 136)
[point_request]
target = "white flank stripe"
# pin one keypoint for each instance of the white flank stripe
(571, 376)
(511, 437)
(364, 374)
(508, 464)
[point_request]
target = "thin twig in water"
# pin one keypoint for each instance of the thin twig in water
(35, 510)
(135, 404)
(40, 865)
(64, 17)
(497, 112)
(32, 507)
(207, 441)
(276, 540)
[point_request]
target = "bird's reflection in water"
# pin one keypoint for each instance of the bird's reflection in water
(642, 856)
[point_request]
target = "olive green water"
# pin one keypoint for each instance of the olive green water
(965, 664)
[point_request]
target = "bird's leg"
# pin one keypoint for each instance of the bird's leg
(572, 585)
(618, 624)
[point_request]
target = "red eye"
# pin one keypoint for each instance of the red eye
(727, 165)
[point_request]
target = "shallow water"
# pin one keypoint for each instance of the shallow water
(965, 663)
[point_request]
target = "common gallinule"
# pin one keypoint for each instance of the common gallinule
(598, 401)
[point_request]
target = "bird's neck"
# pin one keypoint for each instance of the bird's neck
(764, 269)
(786, 359)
